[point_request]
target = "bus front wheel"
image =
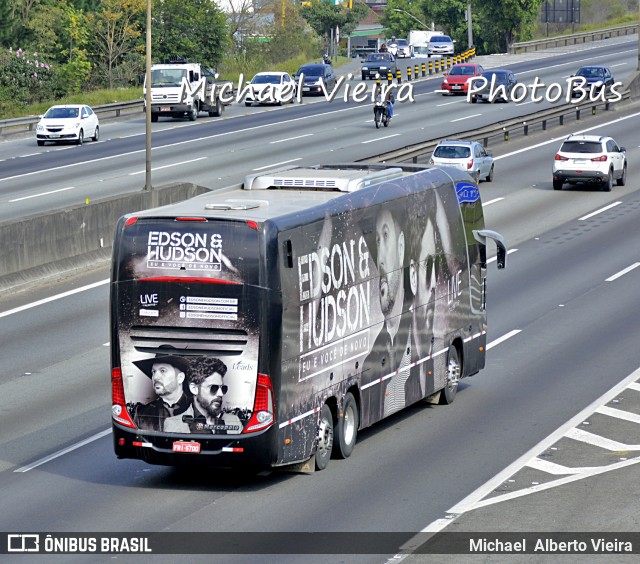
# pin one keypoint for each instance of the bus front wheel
(345, 430)
(453, 376)
(324, 439)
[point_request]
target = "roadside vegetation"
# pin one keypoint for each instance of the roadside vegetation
(93, 51)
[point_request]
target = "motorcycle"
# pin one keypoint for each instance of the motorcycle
(380, 114)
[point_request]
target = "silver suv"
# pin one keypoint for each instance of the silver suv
(590, 158)
(469, 156)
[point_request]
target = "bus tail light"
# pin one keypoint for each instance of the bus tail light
(263, 406)
(118, 405)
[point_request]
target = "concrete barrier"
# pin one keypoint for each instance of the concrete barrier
(74, 238)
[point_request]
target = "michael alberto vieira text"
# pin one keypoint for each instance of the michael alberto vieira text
(550, 546)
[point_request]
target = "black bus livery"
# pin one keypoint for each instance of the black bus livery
(266, 324)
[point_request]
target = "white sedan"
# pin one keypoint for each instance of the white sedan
(271, 88)
(71, 122)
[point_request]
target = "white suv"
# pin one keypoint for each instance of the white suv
(590, 158)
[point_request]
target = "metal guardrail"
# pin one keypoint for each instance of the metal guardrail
(572, 39)
(420, 152)
(26, 124)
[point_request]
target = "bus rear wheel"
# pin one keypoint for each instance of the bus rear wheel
(453, 376)
(345, 430)
(324, 439)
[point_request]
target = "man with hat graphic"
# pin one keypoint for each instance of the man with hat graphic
(167, 373)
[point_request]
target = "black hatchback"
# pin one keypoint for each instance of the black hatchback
(315, 74)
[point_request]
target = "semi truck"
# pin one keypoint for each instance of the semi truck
(183, 89)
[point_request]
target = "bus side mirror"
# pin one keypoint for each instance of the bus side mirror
(481, 236)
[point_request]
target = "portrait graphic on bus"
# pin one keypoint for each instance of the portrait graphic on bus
(188, 329)
(376, 291)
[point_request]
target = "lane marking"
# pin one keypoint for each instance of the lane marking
(556, 139)
(380, 138)
(604, 209)
(62, 452)
(278, 164)
(291, 138)
(53, 298)
(623, 272)
(476, 499)
(463, 118)
(502, 339)
(169, 166)
(492, 201)
(42, 194)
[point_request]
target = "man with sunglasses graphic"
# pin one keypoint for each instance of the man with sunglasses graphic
(206, 413)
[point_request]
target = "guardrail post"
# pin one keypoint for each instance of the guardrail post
(389, 77)
(506, 134)
(544, 125)
(416, 70)
(526, 128)
(409, 74)
(398, 76)
(578, 114)
(430, 68)
(424, 69)
(593, 110)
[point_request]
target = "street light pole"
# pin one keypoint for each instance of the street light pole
(469, 25)
(147, 97)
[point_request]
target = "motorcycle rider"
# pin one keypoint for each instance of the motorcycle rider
(389, 101)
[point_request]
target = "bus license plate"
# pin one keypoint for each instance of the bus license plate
(186, 446)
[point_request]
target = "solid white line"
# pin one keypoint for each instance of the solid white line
(380, 138)
(492, 201)
(290, 138)
(473, 500)
(623, 272)
(590, 215)
(43, 194)
(463, 118)
(503, 338)
(169, 165)
(53, 298)
(278, 164)
(63, 451)
(556, 139)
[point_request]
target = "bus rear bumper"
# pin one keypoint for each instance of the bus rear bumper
(221, 452)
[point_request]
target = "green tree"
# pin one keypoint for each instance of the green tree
(291, 37)
(504, 22)
(196, 29)
(116, 28)
(324, 17)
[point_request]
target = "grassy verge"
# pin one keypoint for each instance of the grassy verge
(101, 97)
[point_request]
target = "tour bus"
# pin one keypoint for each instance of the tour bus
(266, 324)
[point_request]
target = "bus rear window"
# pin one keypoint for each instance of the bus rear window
(220, 250)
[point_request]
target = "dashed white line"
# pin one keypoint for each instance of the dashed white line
(43, 194)
(466, 117)
(623, 272)
(169, 166)
(290, 138)
(601, 210)
(380, 138)
(278, 164)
